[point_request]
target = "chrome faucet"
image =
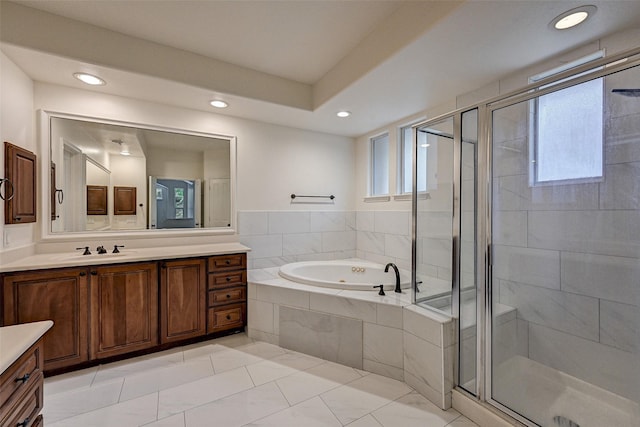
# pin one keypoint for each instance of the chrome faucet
(101, 250)
(395, 269)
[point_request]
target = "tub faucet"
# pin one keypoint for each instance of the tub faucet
(395, 269)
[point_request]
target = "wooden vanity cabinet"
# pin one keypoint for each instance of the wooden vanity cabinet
(112, 310)
(21, 389)
(60, 295)
(183, 299)
(227, 292)
(124, 308)
(20, 170)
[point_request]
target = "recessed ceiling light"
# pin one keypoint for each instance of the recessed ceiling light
(219, 104)
(343, 114)
(572, 17)
(89, 79)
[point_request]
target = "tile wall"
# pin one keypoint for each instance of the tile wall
(280, 237)
(404, 342)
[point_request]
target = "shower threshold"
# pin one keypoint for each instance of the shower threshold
(548, 395)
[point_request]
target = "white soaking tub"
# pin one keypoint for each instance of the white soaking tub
(344, 274)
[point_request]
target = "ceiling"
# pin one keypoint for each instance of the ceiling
(296, 63)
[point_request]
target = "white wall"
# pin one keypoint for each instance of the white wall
(177, 164)
(129, 171)
(17, 127)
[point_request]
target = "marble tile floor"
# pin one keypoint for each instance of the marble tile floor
(235, 381)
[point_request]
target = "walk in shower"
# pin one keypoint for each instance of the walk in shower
(528, 233)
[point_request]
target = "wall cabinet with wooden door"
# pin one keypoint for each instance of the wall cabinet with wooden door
(60, 295)
(183, 299)
(20, 172)
(124, 309)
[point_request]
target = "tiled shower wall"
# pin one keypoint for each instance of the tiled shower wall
(281, 237)
(567, 256)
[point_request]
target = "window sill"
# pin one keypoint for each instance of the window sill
(402, 197)
(376, 199)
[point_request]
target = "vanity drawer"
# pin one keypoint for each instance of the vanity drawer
(226, 317)
(227, 262)
(25, 413)
(225, 296)
(19, 377)
(225, 280)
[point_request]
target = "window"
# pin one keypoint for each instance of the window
(566, 130)
(379, 165)
(406, 161)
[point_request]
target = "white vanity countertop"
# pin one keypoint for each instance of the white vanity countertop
(16, 339)
(76, 259)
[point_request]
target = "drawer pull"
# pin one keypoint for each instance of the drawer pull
(82, 274)
(23, 379)
(228, 262)
(228, 279)
(228, 296)
(228, 317)
(24, 423)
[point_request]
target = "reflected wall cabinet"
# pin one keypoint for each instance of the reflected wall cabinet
(124, 200)
(97, 199)
(20, 192)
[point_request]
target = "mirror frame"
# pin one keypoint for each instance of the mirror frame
(47, 235)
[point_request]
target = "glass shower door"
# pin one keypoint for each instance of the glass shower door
(434, 214)
(565, 271)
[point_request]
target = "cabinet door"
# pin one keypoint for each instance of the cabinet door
(124, 309)
(183, 299)
(58, 295)
(124, 200)
(20, 169)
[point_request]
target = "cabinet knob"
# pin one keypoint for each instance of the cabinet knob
(24, 423)
(228, 296)
(228, 279)
(82, 274)
(17, 218)
(94, 273)
(163, 265)
(23, 379)
(228, 262)
(228, 317)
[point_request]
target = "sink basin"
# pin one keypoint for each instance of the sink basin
(94, 257)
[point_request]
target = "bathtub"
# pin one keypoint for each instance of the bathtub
(344, 274)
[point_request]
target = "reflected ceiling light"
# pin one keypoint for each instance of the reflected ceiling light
(124, 147)
(572, 17)
(89, 79)
(425, 145)
(218, 104)
(343, 114)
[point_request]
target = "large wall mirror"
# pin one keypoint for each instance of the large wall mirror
(119, 177)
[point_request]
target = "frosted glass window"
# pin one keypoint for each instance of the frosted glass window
(406, 159)
(568, 129)
(569, 133)
(380, 165)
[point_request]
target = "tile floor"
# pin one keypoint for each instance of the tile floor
(235, 381)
